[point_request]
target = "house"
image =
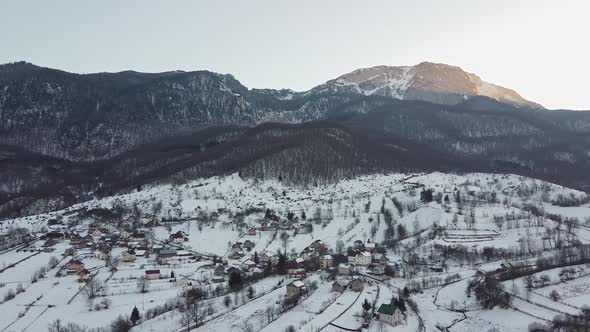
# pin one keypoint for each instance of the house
(376, 269)
(326, 262)
(184, 282)
(178, 237)
(505, 266)
(74, 265)
(293, 268)
(219, 270)
(138, 236)
(362, 258)
(235, 254)
(358, 244)
(295, 289)
(340, 285)
(317, 244)
(217, 279)
(152, 274)
(232, 269)
(383, 260)
(436, 268)
(345, 269)
(167, 253)
(248, 265)
(141, 253)
(264, 259)
(183, 253)
(54, 235)
(128, 256)
(304, 229)
(101, 254)
(252, 231)
(156, 248)
(308, 253)
(391, 314)
(237, 245)
(370, 246)
(49, 243)
(249, 245)
(83, 274)
(357, 284)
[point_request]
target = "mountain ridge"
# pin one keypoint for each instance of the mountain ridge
(66, 137)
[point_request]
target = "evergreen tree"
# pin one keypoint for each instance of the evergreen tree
(134, 316)
(235, 281)
(366, 305)
(172, 274)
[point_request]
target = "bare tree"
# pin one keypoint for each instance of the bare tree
(143, 284)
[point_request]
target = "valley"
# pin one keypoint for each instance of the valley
(242, 247)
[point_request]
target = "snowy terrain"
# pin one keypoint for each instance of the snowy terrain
(217, 212)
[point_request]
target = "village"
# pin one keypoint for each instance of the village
(390, 260)
(133, 246)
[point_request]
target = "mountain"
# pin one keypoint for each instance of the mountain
(96, 116)
(66, 137)
(427, 81)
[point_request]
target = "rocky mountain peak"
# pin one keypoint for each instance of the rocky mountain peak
(426, 81)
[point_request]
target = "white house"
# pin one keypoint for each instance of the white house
(363, 258)
(390, 314)
(248, 265)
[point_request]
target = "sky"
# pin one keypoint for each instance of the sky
(540, 48)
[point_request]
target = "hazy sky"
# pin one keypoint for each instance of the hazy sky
(540, 48)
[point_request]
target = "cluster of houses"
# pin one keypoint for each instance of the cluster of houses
(98, 242)
(101, 241)
(239, 248)
(369, 256)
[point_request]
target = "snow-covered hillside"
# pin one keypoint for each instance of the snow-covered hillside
(420, 222)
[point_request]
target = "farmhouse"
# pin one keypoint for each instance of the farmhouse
(370, 246)
(390, 314)
(84, 274)
(376, 269)
(317, 244)
(128, 256)
(345, 269)
(219, 270)
(295, 289)
(362, 258)
(178, 237)
(358, 244)
(248, 265)
(152, 274)
(326, 262)
(74, 265)
(340, 285)
(294, 268)
(167, 253)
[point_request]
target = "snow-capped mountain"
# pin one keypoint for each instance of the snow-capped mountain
(426, 81)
